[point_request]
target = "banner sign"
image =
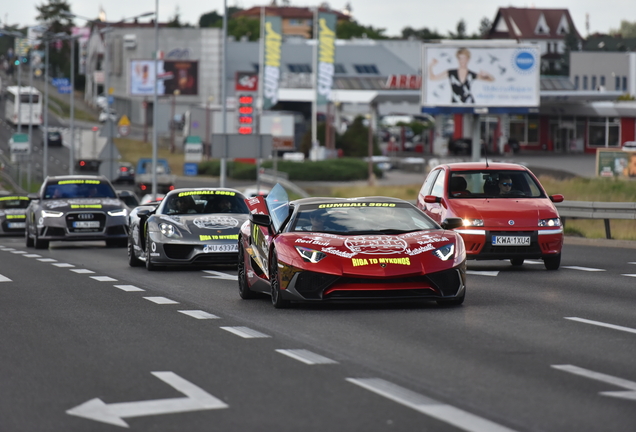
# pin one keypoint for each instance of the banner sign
(271, 72)
(326, 56)
(182, 75)
(246, 82)
(457, 76)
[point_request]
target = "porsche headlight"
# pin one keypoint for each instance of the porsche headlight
(168, 230)
(118, 212)
(310, 255)
(554, 222)
(445, 252)
(474, 222)
(49, 213)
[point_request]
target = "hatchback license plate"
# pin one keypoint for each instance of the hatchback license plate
(91, 224)
(221, 248)
(17, 225)
(510, 241)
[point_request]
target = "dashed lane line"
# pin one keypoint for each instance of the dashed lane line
(245, 332)
(82, 271)
(48, 260)
(103, 278)
(588, 269)
(602, 324)
(32, 256)
(306, 356)
(63, 265)
(129, 288)
(199, 314)
(431, 407)
(18, 252)
(629, 275)
(482, 273)
(5, 279)
(161, 300)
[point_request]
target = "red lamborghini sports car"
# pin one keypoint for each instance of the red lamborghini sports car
(354, 249)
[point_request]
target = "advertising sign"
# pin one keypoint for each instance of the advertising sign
(615, 163)
(182, 75)
(326, 56)
(246, 82)
(271, 72)
(460, 77)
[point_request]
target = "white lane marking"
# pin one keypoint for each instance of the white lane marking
(609, 379)
(32, 256)
(196, 399)
(482, 273)
(199, 314)
(103, 278)
(5, 279)
(18, 252)
(82, 271)
(245, 332)
(9, 249)
(49, 260)
(63, 265)
(632, 262)
(161, 300)
(431, 407)
(588, 269)
(602, 324)
(306, 357)
(630, 275)
(128, 288)
(219, 275)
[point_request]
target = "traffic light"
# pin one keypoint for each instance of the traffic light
(16, 62)
(245, 114)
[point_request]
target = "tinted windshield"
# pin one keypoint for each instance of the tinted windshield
(493, 184)
(202, 202)
(13, 202)
(79, 189)
(362, 217)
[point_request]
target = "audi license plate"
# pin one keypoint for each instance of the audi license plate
(221, 248)
(510, 241)
(13, 225)
(82, 224)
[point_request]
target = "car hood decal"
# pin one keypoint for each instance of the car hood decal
(206, 224)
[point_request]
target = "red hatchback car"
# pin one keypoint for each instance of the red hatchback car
(507, 213)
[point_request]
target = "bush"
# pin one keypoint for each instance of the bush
(343, 169)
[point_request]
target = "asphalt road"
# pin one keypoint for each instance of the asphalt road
(530, 350)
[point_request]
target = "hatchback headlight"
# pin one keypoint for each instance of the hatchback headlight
(554, 222)
(310, 255)
(474, 222)
(168, 230)
(49, 213)
(445, 252)
(118, 212)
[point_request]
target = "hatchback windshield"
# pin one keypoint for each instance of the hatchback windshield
(361, 217)
(493, 184)
(13, 202)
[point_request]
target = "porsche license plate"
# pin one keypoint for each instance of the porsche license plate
(221, 248)
(86, 224)
(510, 241)
(14, 225)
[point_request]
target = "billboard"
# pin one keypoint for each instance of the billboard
(455, 76)
(182, 75)
(272, 39)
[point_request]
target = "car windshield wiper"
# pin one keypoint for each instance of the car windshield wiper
(397, 231)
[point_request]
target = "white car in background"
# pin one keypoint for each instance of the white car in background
(101, 101)
(106, 115)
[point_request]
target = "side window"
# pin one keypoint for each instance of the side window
(438, 187)
(428, 183)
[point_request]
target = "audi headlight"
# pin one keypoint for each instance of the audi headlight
(311, 255)
(445, 252)
(49, 213)
(168, 230)
(554, 222)
(473, 222)
(118, 212)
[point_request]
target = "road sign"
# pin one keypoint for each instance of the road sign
(64, 89)
(19, 144)
(123, 130)
(193, 149)
(242, 146)
(123, 121)
(196, 399)
(57, 82)
(190, 169)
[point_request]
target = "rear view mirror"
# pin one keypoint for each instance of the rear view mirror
(557, 198)
(432, 199)
(452, 223)
(260, 219)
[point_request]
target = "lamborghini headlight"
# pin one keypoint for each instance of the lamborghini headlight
(445, 252)
(474, 222)
(118, 212)
(554, 222)
(49, 213)
(310, 255)
(169, 230)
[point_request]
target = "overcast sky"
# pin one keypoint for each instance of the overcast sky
(393, 16)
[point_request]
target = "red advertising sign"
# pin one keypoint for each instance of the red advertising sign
(404, 82)
(246, 81)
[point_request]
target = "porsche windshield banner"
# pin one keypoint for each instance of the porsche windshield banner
(326, 56)
(460, 77)
(273, 38)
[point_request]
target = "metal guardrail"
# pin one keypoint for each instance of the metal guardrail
(597, 210)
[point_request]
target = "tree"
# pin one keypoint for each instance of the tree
(422, 34)
(211, 19)
(244, 26)
(461, 30)
(355, 140)
(571, 44)
(50, 16)
(627, 30)
(175, 20)
(484, 26)
(351, 29)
